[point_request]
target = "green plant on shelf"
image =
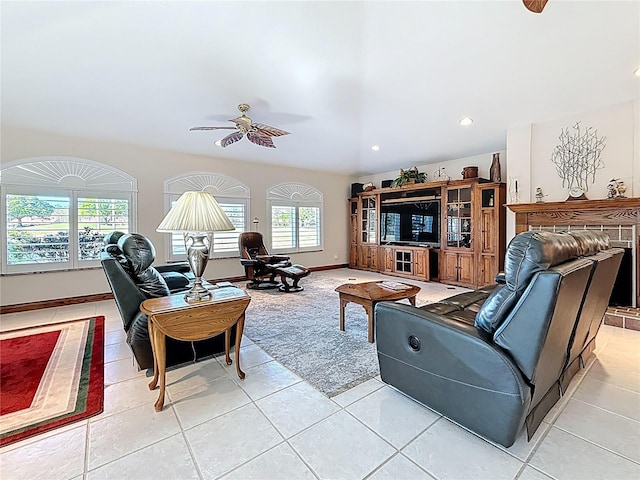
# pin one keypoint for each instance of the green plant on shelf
(408, 177)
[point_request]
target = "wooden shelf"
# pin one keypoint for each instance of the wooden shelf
(605, 203)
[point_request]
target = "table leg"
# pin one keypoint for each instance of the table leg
(154, 383)
(343, 303)
(370, 327)
(239, 331)
(412, 300)
(161, 358)
(227, 345)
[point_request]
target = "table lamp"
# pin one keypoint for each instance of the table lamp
(196, 215)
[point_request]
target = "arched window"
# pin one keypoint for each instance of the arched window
(232, 196)
(57, 210)
(296, 218)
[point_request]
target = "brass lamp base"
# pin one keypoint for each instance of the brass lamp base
(197, 256)
(197, 293)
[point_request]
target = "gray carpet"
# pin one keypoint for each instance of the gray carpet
(301, 331)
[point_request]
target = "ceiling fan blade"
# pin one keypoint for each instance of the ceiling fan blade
(212, 128)
(269, 130)
(535, 6)
(260, 139)
(231, 138)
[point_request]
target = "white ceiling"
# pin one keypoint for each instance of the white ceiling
(340, 76)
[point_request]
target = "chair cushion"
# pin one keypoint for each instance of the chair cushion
(527, 254)
(175, 280)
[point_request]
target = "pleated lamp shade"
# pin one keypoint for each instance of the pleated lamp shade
(195, 212)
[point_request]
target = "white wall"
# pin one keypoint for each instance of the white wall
(453, 168)
(529, 149)
(151, 168)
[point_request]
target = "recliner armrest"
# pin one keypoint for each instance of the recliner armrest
(448, 347)
(453, 368)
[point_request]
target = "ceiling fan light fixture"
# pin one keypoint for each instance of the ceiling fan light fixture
(466, 121)
(257, 133)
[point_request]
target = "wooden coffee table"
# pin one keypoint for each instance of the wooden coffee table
(368, 294)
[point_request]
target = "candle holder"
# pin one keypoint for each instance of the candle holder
(514, 190)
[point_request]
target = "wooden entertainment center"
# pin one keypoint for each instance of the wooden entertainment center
(452, 232)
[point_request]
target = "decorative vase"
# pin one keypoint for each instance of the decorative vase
(494, 171)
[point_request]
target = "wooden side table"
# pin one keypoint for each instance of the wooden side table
(173, 316)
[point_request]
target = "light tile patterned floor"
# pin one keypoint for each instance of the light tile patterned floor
(273, 425)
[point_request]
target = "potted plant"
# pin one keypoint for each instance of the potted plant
(410, 176)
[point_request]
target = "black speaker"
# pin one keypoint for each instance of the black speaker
(386, 183)
(356, 188)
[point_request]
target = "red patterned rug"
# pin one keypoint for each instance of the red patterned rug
(50, 376)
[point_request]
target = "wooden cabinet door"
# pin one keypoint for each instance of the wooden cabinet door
(420, 268)
(466, 268)
(353, 256)
(450, 266)
(373, 258)
(488, 270)
(488, 231)
(353, 238)
(363, 254)
(387, 259)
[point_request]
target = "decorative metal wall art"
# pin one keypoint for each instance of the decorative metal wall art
(577, 156)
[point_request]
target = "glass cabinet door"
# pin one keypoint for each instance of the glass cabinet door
(369, 219)
(459, 217)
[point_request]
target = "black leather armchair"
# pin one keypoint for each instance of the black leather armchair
(497, 359)
(260, 267)
(126, 261)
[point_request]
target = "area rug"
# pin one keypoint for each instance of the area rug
(301, 331)
(50, 376)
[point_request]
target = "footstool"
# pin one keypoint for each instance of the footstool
(295, 273)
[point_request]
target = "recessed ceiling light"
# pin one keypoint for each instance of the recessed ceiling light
(636, 72)
(218, 143)
(466, 121)
(375, 148)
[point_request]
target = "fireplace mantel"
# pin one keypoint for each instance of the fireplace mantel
(605, 212)
(614, 211)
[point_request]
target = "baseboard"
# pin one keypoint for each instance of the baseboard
(58, 302)
(99, 297)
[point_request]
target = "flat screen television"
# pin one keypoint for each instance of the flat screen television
(412, 222)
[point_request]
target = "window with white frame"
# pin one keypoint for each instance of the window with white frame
(57, 210)
(233, 198)
(296, 218)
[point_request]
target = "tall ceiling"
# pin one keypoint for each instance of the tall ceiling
(340, 76)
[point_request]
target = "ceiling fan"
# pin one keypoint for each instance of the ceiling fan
(258, 133)
(535, 6)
